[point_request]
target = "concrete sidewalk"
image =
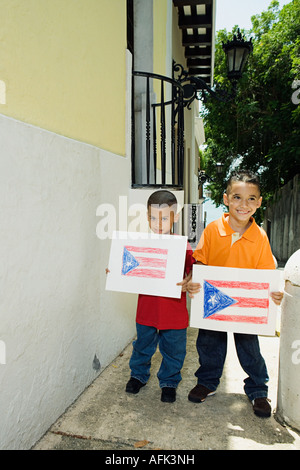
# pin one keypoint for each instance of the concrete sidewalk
(105, 417)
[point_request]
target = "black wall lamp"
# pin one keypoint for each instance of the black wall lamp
(204, 178)
(237, 52)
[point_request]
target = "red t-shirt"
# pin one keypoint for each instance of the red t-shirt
(165, 313)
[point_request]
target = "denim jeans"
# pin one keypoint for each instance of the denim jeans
(212, 349)
(172, 346)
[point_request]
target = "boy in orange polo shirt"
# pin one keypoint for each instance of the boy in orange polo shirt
(235, 241)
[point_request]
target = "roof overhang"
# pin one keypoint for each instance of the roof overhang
(197, 20)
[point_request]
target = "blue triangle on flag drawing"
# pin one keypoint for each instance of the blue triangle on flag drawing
(215, 300)
(129, 262)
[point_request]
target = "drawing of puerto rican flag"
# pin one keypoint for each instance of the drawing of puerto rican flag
(235, 301)
(145, 262)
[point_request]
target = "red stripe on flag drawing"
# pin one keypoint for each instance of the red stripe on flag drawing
(247, 302)
(141, 249)
(152, 262)
(240, 285)
(240, 319)
(150, 273)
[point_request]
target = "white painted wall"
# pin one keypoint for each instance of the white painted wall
(55, 314)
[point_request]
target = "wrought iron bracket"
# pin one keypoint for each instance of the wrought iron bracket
(197, 88)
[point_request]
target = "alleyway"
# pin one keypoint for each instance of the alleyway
(106, 417)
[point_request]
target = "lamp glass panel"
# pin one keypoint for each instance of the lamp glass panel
(231, 57)
(238, 59)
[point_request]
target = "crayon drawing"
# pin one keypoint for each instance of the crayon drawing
(235, 300)
(143, 263)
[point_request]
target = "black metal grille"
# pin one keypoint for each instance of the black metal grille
(157, 131)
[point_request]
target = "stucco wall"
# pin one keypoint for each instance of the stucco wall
(65, 94)
(55, 314)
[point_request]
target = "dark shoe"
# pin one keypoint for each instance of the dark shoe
(199, 393)
(262, 407)
(134, 385)
(168, 394)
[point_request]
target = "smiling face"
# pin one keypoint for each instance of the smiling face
(242, 199)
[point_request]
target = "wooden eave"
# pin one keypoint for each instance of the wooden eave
(196, 21)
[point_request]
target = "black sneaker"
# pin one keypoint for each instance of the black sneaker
(262, 407)
(199, 393)
(134, 385)
(168, 394)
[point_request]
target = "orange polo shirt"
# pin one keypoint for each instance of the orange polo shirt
(219, 245)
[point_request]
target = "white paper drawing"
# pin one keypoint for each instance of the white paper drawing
(237, 300)
(145, 263)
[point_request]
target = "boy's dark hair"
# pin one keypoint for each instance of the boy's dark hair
(245, 176)
(162, 197)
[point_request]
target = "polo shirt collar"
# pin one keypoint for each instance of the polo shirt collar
(225, 229)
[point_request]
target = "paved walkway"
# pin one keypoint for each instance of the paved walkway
(105, 417)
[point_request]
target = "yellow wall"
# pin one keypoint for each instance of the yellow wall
(64, 66)
(159, 36)
(160, 32)
(177, 49)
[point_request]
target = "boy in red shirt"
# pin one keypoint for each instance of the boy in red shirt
(235, 241)
(161, 321)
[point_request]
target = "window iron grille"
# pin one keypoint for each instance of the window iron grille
(157, 131)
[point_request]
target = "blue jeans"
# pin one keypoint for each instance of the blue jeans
(172, 346)
(212, 349)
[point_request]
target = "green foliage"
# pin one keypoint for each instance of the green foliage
(259, 129)
(202, 160)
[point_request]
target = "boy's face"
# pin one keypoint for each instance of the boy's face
(242, 200)
(161, 218)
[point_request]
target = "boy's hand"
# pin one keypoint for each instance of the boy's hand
(187, 285)
(193, 288)
(277, 297)
(107, 271)
(184, 283)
